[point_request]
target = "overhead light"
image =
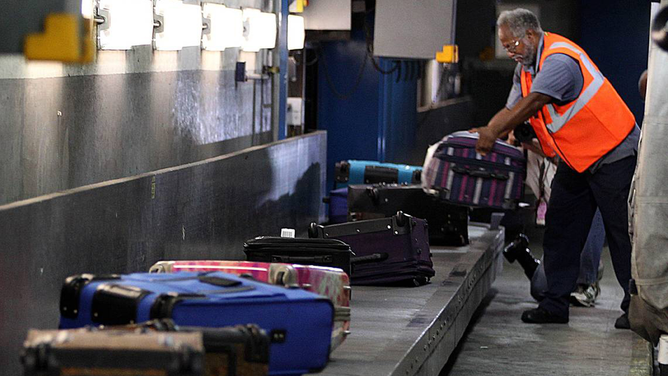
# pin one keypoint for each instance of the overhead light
(225, 27)
(87, 9)
(124, 23)
(180, 25)
(259, 30)
(296, 33)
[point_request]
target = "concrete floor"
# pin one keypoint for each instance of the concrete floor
(498, 343)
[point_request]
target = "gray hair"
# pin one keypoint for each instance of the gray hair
(519, 21)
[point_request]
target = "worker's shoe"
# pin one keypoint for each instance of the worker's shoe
(542, 316)
(518, 250)
(585, 295)
(622, 322)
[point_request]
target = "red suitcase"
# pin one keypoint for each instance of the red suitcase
(330, 282)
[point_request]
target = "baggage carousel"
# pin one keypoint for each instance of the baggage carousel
(407, 331)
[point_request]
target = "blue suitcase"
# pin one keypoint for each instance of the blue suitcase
(338, 205)
(372, 172)
(299, 322)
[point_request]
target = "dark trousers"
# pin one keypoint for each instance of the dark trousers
(575, 197)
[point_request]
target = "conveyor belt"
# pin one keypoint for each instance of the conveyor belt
(413, 331)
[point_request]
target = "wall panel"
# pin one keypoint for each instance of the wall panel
(205, 209)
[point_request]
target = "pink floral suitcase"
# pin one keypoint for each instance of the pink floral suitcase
(330, 282)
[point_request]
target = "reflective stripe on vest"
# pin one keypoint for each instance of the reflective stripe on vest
(559, 121)
(585, 129)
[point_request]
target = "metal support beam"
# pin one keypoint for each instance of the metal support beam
(280, 79)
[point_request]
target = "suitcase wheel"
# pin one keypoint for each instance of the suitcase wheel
(419, 281)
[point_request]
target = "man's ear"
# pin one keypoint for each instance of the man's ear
(530, 33)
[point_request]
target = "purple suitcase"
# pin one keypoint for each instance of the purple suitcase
(388, 250)
(456, 173)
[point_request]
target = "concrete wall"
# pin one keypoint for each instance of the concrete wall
(128, 113)
(203, 210)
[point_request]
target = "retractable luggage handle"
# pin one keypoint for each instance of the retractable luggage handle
(480, 173)
(398, 225)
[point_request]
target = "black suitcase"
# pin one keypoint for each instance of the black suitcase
(448, 224)
(306, 251)
(387, 250)
(88, 352)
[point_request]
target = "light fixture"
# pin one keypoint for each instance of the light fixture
(225, 27)
(180, 25)
(87, 9)
(296, 33)
(123, 24)
(259, 30)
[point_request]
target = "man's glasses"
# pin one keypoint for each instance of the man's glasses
(513, 46)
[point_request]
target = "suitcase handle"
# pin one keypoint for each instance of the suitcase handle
(116, 304)
(373, 195)
(218, 281)
(370, 258)
(480, 173)
(302, 259)
(380, 174)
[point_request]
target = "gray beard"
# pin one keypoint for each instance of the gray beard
(530, 57)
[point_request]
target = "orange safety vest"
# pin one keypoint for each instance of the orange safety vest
(587, 128)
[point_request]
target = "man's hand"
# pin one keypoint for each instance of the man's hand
(487, 137)
(511, 138)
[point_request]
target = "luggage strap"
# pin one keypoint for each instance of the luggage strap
(480, 173)
(326, 259)
(370, 258)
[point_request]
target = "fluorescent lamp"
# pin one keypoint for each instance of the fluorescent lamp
(87, 9)
(181, 25)
(296, 33)
(226, 27)
(127, 23)
(260, 30)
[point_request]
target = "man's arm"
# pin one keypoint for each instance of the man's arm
(506, 120)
